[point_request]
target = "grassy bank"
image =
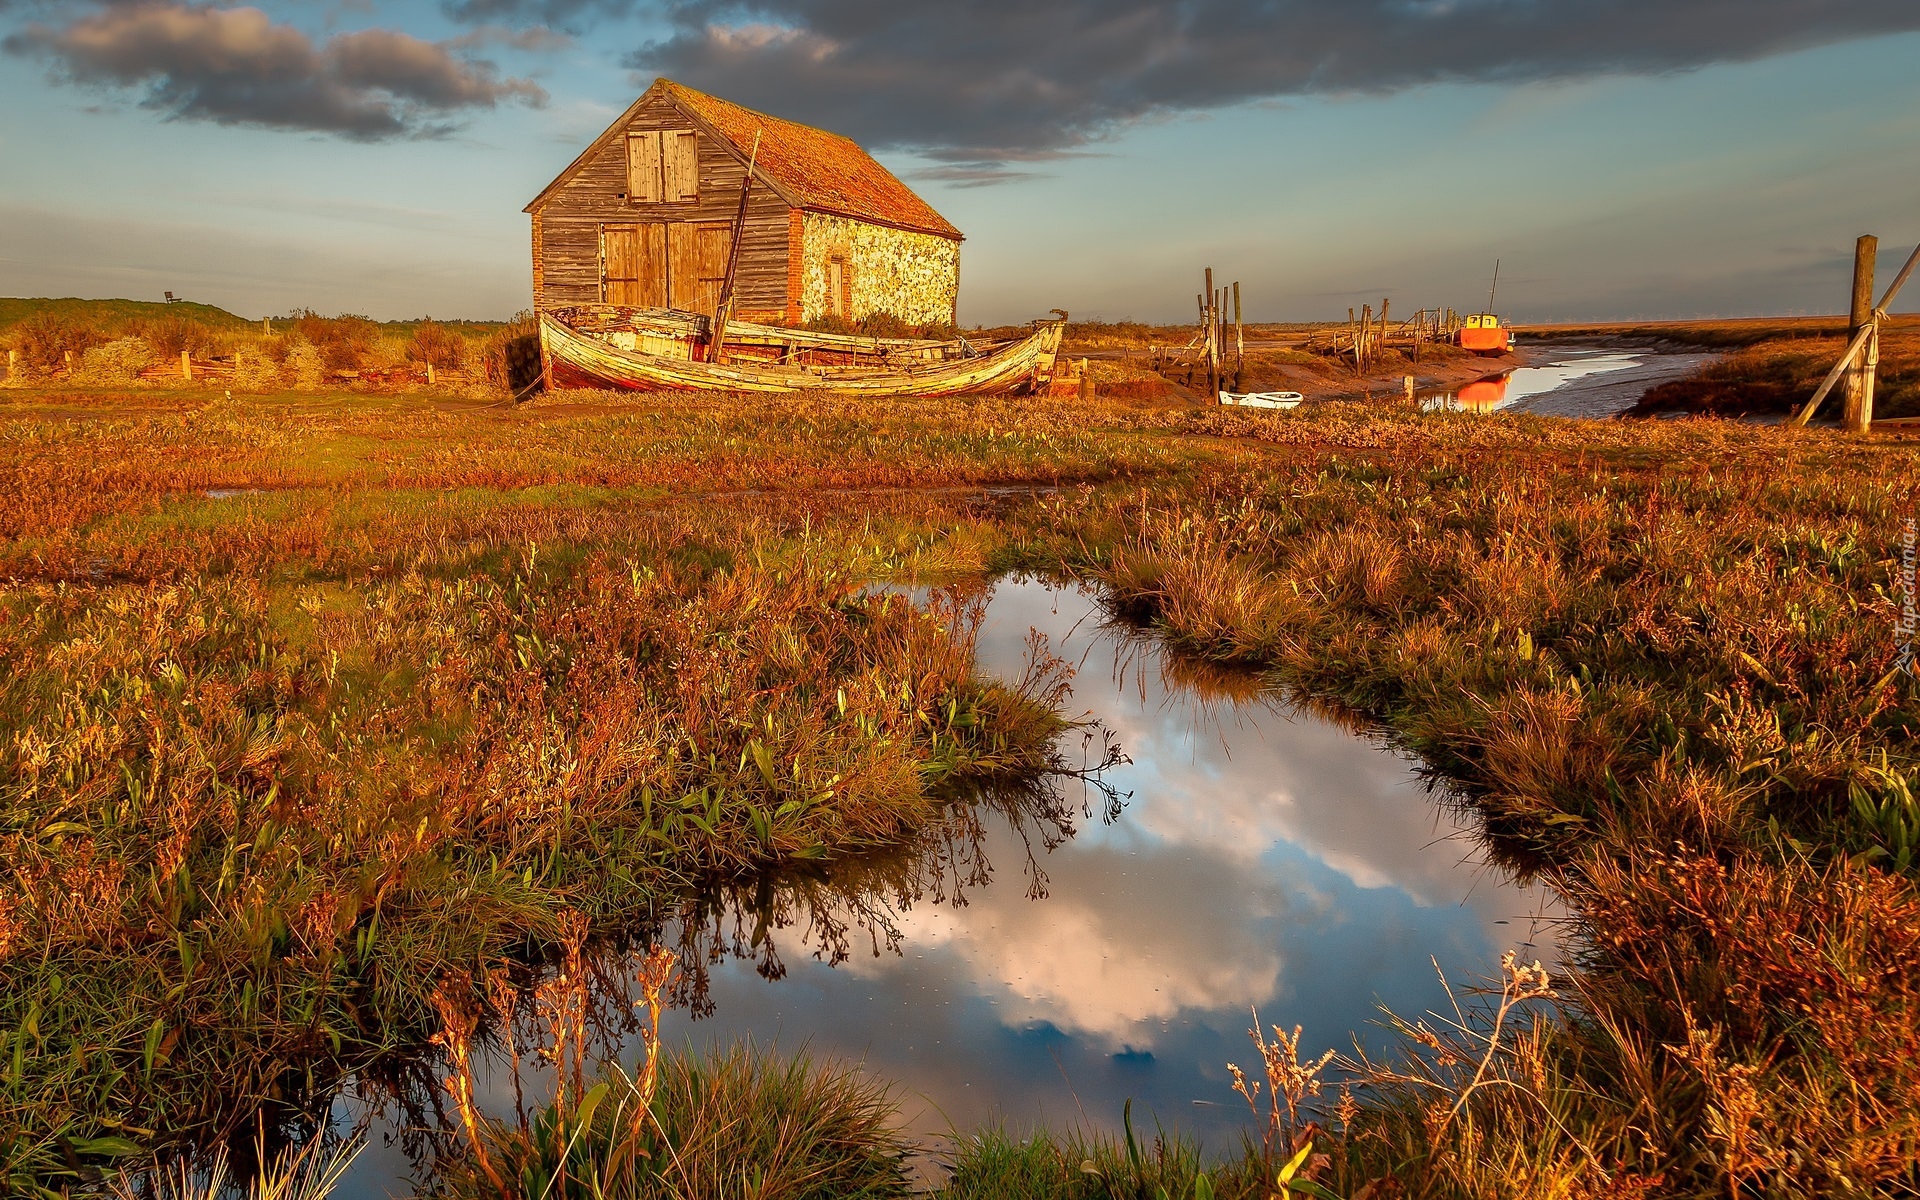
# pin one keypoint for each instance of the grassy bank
(1664, 669)
(1770, 366)
(317, 702)
(309, 705)
(117, 344)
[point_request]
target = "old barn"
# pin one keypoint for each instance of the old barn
(645, 216)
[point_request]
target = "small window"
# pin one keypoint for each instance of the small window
(643, 168)
(682, 166)
(663, 167)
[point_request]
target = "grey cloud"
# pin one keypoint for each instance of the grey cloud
(980, 83)
(537, 40)
(236, 66)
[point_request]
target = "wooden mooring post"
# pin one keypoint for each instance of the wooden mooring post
(1239, 342)
(1859, 393)
(1861, 361)
(1221, 326)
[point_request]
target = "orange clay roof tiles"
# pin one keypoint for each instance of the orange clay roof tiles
(820, 170)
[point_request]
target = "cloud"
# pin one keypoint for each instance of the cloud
(538, 40)
(979, 83)
(236, 66)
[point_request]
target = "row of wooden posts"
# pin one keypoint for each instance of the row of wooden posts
(1216, 329)
(1860, 365)
(1366, 334)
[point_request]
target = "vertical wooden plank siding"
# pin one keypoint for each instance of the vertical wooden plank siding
(697, 258)
(599, 193)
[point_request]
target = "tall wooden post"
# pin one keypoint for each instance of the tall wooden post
(186, 364)
(1239, 342)
(1859, 379)
(1211, 317)
(13, 365)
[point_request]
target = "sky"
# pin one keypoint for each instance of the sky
(1619, 158)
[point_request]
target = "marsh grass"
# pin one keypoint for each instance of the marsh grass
(308, 351)
(739, 1122)
(1672, 689)
(277, 763)
(1779, 370)
(309, 1172)
(250, 830)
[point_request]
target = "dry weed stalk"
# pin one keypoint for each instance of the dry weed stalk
(656, 972)
(1289, 1083)
(1461, 1043)
(310, 1172)
(458, 1020)
(563, 1001)
(505, 996)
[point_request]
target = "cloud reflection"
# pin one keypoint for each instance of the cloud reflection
(1011, 973)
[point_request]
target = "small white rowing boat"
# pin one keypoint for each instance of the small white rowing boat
(1262, 399)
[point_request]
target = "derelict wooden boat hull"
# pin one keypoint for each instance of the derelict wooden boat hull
(669, 363)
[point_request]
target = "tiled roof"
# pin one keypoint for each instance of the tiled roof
(819, 170)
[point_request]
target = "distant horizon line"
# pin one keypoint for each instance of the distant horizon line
(1548, 322)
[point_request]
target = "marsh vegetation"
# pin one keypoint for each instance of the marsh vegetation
(320, 705)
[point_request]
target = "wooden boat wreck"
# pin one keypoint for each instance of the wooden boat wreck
(656, 349)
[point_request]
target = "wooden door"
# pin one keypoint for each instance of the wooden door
(837, 287)
(697, 263)
(634, 265)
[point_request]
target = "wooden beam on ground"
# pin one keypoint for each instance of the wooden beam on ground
(1840, 368)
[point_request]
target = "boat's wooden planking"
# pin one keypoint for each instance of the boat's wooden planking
(586, 360)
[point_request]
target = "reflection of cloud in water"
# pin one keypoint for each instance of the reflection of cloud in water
(1116, 949)
(1263, 859)
(1242, 777)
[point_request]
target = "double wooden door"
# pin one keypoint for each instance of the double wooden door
(658, 264)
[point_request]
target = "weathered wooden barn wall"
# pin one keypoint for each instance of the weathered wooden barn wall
(913, 276)
(568, 245)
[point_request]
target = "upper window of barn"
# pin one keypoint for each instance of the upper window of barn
(663, 167)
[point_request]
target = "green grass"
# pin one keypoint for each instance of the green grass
(114, 314)
(734, 1122)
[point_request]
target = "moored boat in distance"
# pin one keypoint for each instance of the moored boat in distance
(1262, 399)
(1482, 333)
(652, 349)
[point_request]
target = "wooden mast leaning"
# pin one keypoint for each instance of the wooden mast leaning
(723, 311)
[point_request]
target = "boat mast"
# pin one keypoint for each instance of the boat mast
(723, 309)
(1496, 284)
